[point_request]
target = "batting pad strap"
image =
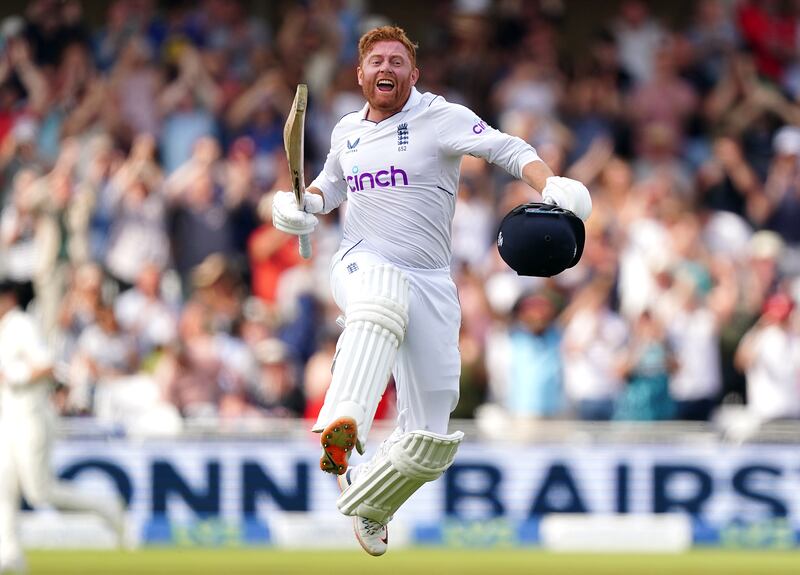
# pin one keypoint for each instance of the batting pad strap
(380, 311)
(403, 459)
(389, 480)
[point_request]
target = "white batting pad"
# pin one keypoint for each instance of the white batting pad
(390, 479)
(375, 325)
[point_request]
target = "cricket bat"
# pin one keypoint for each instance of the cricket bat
(293, 142)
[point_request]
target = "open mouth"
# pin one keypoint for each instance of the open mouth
(384, 85)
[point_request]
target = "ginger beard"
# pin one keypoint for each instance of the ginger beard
(386, 76)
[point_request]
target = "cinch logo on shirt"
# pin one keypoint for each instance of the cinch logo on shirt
(479, 127)
(381, 179)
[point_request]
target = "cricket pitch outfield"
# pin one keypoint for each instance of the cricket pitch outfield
(176, 561)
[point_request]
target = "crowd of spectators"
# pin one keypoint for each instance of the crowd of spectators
(138, 158)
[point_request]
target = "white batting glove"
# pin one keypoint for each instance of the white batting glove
(568, 194)
(288, 218)
(312, 203)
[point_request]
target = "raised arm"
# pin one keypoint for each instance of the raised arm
(461, 132)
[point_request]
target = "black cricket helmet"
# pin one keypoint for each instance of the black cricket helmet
(543, 240)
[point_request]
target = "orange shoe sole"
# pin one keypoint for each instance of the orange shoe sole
(338, 441)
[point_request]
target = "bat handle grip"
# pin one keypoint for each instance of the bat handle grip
(305, 247)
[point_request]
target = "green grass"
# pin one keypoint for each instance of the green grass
(410, 562)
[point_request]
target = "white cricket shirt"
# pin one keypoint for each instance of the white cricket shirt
(400, 176)
(22, 343)
(772, 379)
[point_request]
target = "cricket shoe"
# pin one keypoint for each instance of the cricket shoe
(372, 535)
(338, 441)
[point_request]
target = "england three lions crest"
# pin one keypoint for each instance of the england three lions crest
(402, 137)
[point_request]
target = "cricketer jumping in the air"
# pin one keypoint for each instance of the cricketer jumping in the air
(397, 162)
(27, 422)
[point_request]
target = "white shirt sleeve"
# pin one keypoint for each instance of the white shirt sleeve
(461, 132)
(36, 350)
(27, 353)
(331, 180)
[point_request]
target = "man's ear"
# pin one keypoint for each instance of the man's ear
(414, 76)
(360, 76)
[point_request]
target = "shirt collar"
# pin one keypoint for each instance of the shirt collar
(413, 99)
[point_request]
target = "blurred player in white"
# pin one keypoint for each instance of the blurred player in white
(27, 423)
(397, 161)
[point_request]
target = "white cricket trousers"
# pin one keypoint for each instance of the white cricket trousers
(428, 364)
(25, 444)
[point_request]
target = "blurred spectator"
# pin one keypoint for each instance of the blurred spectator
(103, 352)
(593, 338)
(271, 253)
(188, 106)
(646, 250)
(23, 99)
(135, 83)
(78, 308)
(760, 273)
(190, 372)
(53, 195)
(693, 312)
(713, 37)
(592, 110)
(534, 360)
(91, 211)
(218, 289)
(239, 371)
(769, 354)
(18, 152)
(239, 36)
(638, 36)
(108, 40)
(19, 78)
(257, 323)
(317, 373)
(474, 376)
(259, 113)
(530, 93)
(18, 236)
(52, 27)
(781, 206)
(769, 33)
(142, 312)
(474, 229)
(82, 97)
(646, 366)
(276, 390)
(660, 107)
(244, 182)
(472, 64)
(138, 231)
(200, 225)
(299, 311)
(727, 182)
(742, 104)
(476, 317)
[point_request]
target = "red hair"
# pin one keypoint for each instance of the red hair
(386, 34)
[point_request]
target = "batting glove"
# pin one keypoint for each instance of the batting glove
(568, 194)
(288, 218)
